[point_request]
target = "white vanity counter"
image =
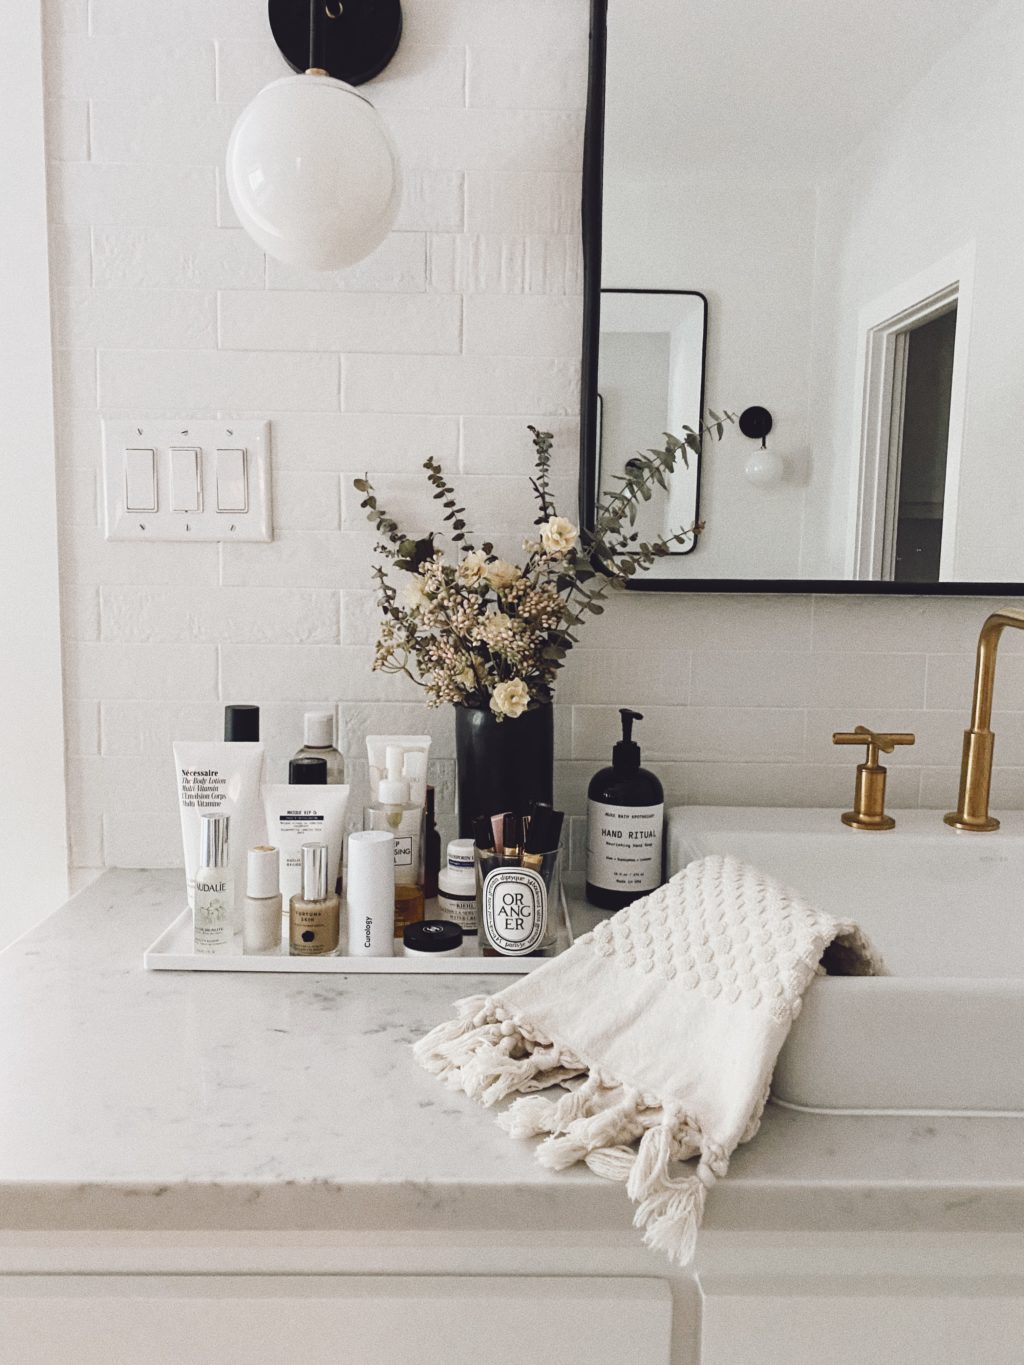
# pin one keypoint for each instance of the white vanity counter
(180, 1101)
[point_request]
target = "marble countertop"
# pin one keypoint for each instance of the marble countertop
(178, 1100)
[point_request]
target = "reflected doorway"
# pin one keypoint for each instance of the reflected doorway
(916, 483)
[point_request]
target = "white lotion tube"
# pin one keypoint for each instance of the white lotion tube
(370, 894)
(218, 778)
(300, 814)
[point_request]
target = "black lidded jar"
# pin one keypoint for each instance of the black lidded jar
(625, 826)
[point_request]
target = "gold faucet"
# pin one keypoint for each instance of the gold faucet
(976, 766)
(869, 797)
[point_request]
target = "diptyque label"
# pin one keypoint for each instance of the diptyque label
(515, 910)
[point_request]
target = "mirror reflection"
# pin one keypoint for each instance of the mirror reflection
(842, 184)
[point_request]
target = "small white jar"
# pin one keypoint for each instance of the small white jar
(432, 938)
(261, 927)
(456, 886)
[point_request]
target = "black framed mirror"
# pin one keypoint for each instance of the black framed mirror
(844, 220)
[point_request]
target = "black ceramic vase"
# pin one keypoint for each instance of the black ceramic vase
(502, 764)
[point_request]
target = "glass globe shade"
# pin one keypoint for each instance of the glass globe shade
(312, 173)
(764, 468)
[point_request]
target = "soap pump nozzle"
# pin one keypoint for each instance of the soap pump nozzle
(626, 753)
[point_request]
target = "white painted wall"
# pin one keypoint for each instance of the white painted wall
(163, 307)
(938, 176)
(33, 836)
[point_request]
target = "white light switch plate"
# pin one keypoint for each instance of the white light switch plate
(211, 440)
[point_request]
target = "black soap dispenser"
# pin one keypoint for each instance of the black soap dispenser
(625, 825)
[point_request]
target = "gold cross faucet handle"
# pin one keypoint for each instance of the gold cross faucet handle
(869, 799)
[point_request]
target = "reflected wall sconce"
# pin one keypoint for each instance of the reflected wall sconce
(312, 172)
(765, 467)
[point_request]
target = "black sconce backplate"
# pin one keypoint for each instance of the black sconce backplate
(356, 39)
(756, 423)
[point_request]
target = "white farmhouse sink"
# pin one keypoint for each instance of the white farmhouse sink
(945, 1031)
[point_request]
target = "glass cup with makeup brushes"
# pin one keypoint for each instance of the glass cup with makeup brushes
(518, 883)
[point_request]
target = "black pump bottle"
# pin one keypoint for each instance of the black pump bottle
(625, 823)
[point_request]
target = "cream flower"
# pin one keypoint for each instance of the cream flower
(501, 574)
(471, 568)
(558, 535)
(494, 628)
(510, 698)
(413, 594)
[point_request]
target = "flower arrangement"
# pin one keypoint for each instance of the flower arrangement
(475, 630)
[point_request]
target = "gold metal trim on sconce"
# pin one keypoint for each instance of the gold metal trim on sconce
(976, 764)
(869, 797)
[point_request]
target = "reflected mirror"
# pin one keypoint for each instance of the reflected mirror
(842, 185)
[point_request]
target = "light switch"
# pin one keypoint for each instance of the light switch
(184, 479)
(232, 494)
(139, 480)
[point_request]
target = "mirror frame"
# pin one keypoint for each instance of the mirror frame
(593, 189)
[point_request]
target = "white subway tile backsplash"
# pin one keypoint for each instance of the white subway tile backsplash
(87, 67)
(515, 75)
(228, 380)
(280, 320)
(460, 384)
(183, 257)
(459, 330)
(498, 264)
(398, 266)
(145, 672)
(221, 616)
(536, 203)
(174, 319)
(523, 324)
(161, 131)
(136, 196)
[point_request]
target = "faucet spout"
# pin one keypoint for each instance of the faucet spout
(972, 811)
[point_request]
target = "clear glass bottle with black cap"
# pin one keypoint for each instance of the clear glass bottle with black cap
(625, 823)
(242, 724)
(314, 914)
(318, 742)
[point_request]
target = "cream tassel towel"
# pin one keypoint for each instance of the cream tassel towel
(664, 1023)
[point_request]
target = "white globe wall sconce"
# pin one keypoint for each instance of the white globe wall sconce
(312, 171)
(765, 467)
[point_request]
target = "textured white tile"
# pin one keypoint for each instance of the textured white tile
(359, 719)
(224, 379)
(791, 784)
(398, 266)
(144, 672)
(502, 445)
(151, 727)
(279, 320)
(67, 130)
(120, 783)
(600, 675)
(695, 733)
(360, 619)
(306, 501)
(432, 201)
(70, 255)
(523, 324)
(904, 625)
(498, 264)
(496, 21)
(523, 75)
(138, 196)
(82, 726)
(355, 442)
(220, 615)
(142, 839)
(301, 559)
(310, 673)
(86, 557)
(488, 139)
(460, 384)
(161, 131)
(135, 317)
(524, 203)
(197, 18)
(101, 68)
(951, 680)
(780, 678)
(183, 257)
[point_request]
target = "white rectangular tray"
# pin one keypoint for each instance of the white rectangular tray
(173, 952)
